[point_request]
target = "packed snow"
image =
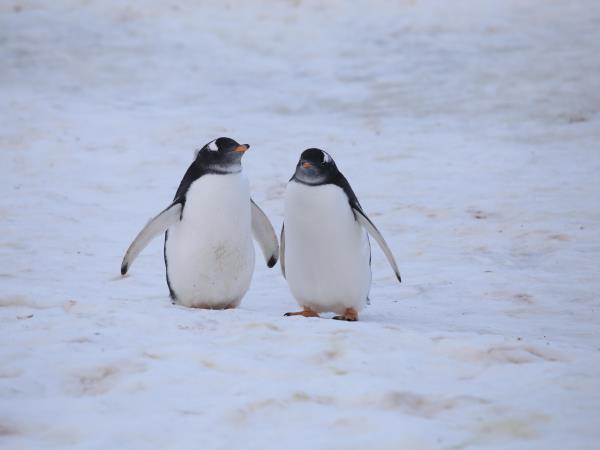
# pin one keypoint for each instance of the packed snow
(470, 131)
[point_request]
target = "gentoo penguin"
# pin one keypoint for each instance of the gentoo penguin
(325, 250)
(208, 251)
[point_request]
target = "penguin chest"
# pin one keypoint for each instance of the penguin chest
(209, 254)
(327, 252)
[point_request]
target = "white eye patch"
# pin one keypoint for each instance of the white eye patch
(212, 146)
(326, 157)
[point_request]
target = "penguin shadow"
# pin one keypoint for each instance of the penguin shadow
(118, 278)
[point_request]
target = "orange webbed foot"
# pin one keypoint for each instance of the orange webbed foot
(306, 312)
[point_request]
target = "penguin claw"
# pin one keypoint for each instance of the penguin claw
(347, 319)
(350, 315)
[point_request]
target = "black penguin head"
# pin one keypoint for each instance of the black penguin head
(315, 167)
(222, 154)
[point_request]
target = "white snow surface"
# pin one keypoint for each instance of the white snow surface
(470, 131)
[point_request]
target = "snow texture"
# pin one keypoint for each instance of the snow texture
(470, 131)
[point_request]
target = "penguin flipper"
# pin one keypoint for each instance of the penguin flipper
(264, 234)
(282, 250)
(362, 218)
(153, 228)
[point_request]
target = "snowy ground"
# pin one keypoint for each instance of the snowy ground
(471, 134)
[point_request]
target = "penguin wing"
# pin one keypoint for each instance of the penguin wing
(282, 250)
(341, 181)
(264, 234)
(362, 218)
(154, 227)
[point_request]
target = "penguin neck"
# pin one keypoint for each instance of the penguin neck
(312, 180)
(220, 168)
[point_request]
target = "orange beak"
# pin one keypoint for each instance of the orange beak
(241, 148)
(306, 165)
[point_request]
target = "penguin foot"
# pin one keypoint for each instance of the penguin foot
(306, 312)
(350, 315)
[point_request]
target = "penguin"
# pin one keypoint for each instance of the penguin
(208, 248)
(325, 252)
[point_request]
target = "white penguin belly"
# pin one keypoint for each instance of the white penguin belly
(210, 253)
(327, 252)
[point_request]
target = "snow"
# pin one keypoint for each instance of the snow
(470, 132)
